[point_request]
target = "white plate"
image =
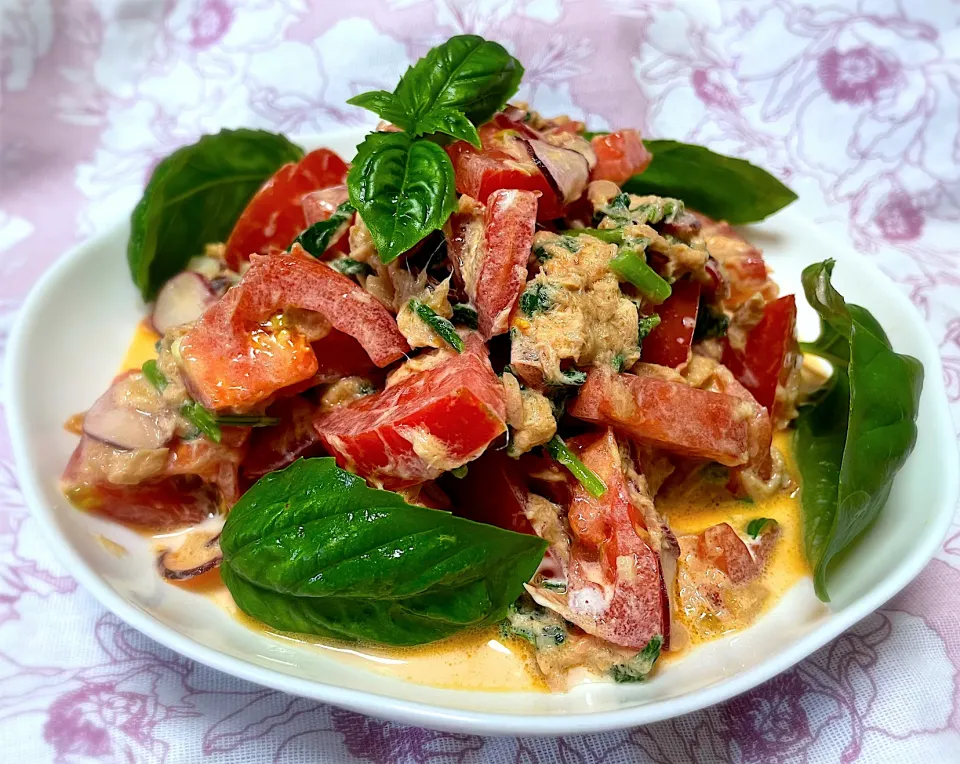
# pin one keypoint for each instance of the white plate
(67, 344)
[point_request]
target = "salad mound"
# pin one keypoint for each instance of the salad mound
(452, 384)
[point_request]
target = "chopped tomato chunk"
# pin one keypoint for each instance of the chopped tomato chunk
(274, 217)
(614, 586)
(502, 162)
(620, 156)
(742, 263)
(508, 234)
(493, 491)
(671, 415)
(234, 357)
(766, 360)
(669, 342)
(429, 422)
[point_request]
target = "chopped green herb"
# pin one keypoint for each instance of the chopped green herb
(245, 420)
(153, 375)
(646, 325)
(443, 328)
(569, 243)
(757, 526)
(711, 322)
(630, 264)
(350, 267)
(317, 238)
(540, 252)
(529, 621)
(573, 377)
(587, 477)
(465, 316)
(638, 668)
(609, 235)
(618, 361)
(536, 298)
(460, 472)
(201, 418)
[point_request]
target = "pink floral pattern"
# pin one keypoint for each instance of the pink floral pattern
(853, 102)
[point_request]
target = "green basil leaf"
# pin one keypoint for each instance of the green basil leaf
(195, 197)
(465, 316)
(402, 188)
(721, 187)
(313, 549)
(350, 267)
(853, 439)
(385, 105)
(449, 121)
(466, 73)
(757, 526)
(317, 238)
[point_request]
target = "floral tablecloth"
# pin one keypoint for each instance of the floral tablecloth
(855, 104)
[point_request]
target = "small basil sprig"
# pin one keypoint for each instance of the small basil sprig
(457, 85)
(403, 185)
(589, 479)
(195, 196)
(724, 188)
(855, 437)
(313, 549)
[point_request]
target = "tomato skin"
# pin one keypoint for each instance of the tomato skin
(669, 342)
(508, 235)
(455, 410)
(605, 533)
(230, 361)
(670, 415)
(766, 360)
(494, 491)
(274, 217)
(620, 156)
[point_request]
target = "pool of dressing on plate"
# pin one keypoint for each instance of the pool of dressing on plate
(480, 659)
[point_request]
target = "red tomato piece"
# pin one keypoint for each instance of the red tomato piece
(742, 262)
(767, 358)
(721, 547)
(232, 358)
(274, 217)
(670, 415)
(431, 421)
(614, 587)
(669, 342)
(494, 491)
(340, 355)
(508, 235)
(502, 162)
(273, 448)
(620, 156)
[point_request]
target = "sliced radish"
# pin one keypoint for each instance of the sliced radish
(182, 300)
(566, 170)
(130, 415)
(199, 553)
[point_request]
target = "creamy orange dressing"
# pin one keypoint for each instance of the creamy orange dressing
(479, 659)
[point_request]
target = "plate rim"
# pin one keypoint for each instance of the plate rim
(427, 714)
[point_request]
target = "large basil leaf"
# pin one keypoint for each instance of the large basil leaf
(721, 187)
(466, 73)
(853, 439)
(313, 549)
(195, 196)
(402, 188)
(385, 105)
